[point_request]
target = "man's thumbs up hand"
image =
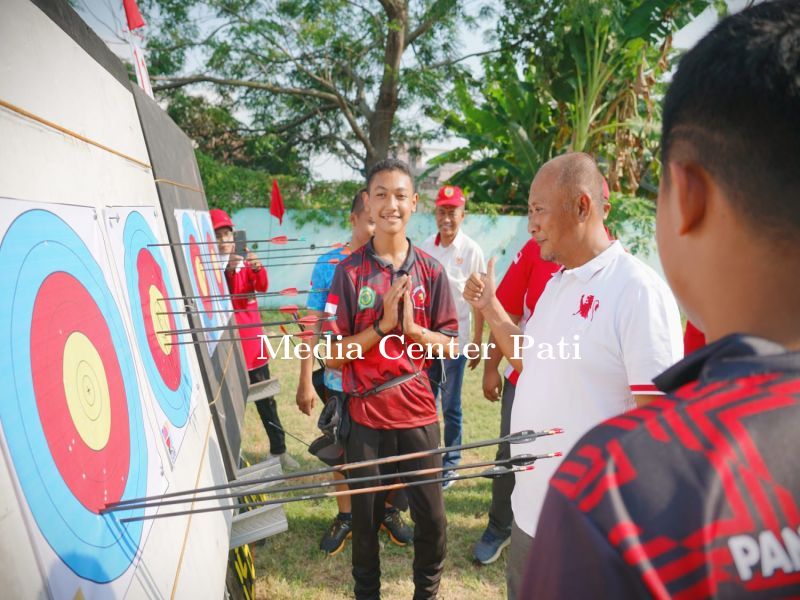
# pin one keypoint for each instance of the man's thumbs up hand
(480, 287)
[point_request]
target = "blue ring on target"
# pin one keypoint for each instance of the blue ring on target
(95, 547)
(175, 403)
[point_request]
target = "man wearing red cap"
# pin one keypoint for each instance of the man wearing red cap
(247, 276)
(460, 255)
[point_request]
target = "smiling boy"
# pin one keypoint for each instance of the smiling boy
(391, 287)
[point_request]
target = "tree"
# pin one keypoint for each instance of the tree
(579, 75)
(328, 74)
(604, 64)
(220, 136)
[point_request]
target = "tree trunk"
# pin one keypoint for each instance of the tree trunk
(380, 125)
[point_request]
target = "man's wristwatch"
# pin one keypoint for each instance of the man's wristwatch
(377, 328)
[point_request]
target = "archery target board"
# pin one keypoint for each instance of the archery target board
(200, 254)
(216, 264)
(73, 422)
(151, 293)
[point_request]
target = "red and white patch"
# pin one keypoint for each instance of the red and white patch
(331, 304)
(418, 297)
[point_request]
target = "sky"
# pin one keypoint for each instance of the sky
(107, 19)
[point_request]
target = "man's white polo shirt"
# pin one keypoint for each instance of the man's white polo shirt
(460, 259)
(620, 318)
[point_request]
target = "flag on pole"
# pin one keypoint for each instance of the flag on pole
(276, 208)
(142, 76)
(133, 15)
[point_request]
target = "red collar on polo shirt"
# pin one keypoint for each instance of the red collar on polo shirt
(456, 240)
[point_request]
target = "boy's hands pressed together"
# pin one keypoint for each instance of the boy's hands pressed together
(391, 302)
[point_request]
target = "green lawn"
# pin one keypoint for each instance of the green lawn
(291, 566)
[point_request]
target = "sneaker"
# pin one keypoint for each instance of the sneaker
(287, 462)
(393, 524)
(490, 546)
(335, 539)
(449, 483)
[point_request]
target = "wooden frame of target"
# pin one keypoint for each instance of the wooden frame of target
(96, 407)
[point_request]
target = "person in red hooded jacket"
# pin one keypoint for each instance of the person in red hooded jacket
(246, 275)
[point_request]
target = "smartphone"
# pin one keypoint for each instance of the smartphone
(240, 242)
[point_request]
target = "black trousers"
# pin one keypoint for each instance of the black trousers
(426, 503)
(268, 411)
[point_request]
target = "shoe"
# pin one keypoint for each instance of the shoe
(393, 524)
(287, 462)
(490, 546)
(447, 484)
(335, 539)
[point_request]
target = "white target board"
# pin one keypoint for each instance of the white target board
(97, 405)
(152, 295)
(210, 297)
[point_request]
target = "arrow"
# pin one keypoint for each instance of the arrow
(520, 460)
(520, 437)
(290, 291)
(307, 320)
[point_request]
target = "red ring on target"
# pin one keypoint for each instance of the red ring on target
(167, 358)
(62, 312)
(198, 268)
(212, 245)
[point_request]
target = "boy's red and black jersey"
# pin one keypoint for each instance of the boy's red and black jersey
(356, 298)
(696, 495)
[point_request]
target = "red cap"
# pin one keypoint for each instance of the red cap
(219, 218)
(450, 195)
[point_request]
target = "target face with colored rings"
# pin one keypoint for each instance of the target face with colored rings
(198, 270)
(71, 414)
(148, 283)
(215, 264)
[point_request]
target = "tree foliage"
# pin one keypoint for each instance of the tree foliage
(577, 75)
(324, 75)
(232, 187)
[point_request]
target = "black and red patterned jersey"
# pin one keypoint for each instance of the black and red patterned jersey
(693, 496)
(356, 298)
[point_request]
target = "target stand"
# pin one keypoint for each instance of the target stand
(262, 522)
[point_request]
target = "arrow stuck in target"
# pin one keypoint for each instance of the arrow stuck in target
(307, 320)
(279, 240)
(290, 291)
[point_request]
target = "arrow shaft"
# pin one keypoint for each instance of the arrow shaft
(513, 438)
(201, 242)
(336, 494)
(517, 460)
(245, 295)
(237, 327)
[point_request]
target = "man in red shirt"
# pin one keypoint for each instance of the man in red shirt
(697, 495)
(387, 295)
(247, 276)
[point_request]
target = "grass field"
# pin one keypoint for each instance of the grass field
(291, 566)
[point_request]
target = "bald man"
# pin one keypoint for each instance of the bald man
(604, 327)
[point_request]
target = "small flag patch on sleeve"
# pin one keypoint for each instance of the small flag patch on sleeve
(332, 304)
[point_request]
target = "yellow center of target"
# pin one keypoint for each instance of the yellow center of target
(160, 321)
(201, 276)
(86, 390)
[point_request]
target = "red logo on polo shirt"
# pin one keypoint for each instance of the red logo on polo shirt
(589, 304)
(418, 297)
